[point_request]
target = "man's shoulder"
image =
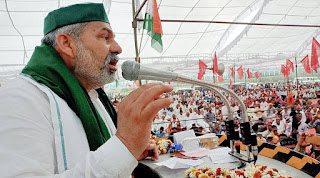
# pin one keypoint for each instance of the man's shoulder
(21, 90)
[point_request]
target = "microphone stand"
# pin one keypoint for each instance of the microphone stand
(248, 139)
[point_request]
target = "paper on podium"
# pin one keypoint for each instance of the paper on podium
(178, 163)
(197, 153)
(220, 155)
(178, 137)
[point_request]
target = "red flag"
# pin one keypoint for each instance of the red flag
(249, 73)
(232, 72)
(215, 64)
(240, 72)
(315, 53)
(202, 69)
(230, 83)
(257, 75)
(290, 65)
(305, 63)
(220, 78)
(285, 71)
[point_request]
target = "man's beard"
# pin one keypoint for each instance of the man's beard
(90, 69)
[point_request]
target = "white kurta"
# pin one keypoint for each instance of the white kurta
(35, 143)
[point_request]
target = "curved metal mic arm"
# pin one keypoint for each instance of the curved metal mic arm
(216, 91)
(215, 87)
(248, 139)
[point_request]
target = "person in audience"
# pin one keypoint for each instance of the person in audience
(259, 126)
(210, 116)
(279, 123)
(161, 133)
(173, 131)
(270, 140)
(296, 127)
(275, 134)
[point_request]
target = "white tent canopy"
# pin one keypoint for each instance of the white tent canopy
(257, 47)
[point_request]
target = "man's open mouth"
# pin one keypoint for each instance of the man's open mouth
(113, 65)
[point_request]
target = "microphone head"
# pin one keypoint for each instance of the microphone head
(130, 70)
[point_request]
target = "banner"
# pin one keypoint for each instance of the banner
(215, 64)
(240, 72)
(257, 75)
(305, 63)
(290, 65)
(315, 53)
(202, 69)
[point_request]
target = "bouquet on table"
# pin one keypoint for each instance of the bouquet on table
(163, 144)
(252, 171)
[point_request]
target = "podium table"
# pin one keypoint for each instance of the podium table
(262, 160)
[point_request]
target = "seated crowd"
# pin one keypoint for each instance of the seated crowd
(278, 115)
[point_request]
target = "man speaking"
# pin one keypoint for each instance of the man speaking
(55, 121)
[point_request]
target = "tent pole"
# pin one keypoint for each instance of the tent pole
(134, 26)
(138, 11)
(234, 72)
(245, 80)
(296, 71)
(237, 23)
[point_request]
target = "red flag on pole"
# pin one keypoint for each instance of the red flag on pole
(290, 65)
(230, 83)
(315, 53)
(249, 73)
(220, 78)
(232, 72)
(202, 69)
(285, 71)
(215, 64)
(305, 63)
(240, 72)
(257, 75)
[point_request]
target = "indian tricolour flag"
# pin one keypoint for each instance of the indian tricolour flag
(152, 24)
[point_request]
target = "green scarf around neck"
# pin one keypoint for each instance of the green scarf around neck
(47, 67)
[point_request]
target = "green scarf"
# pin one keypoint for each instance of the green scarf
(47, 67)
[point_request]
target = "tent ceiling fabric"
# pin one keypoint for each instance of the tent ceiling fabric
(255, 47)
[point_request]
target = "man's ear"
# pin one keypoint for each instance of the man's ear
(66, 47)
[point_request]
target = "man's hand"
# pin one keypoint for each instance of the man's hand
(151, 151)
(302, 140)
(136, 113)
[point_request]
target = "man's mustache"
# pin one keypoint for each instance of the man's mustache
(111, 57)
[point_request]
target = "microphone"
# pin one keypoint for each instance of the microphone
(132, 70)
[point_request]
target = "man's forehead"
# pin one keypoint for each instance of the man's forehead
(100, 26)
